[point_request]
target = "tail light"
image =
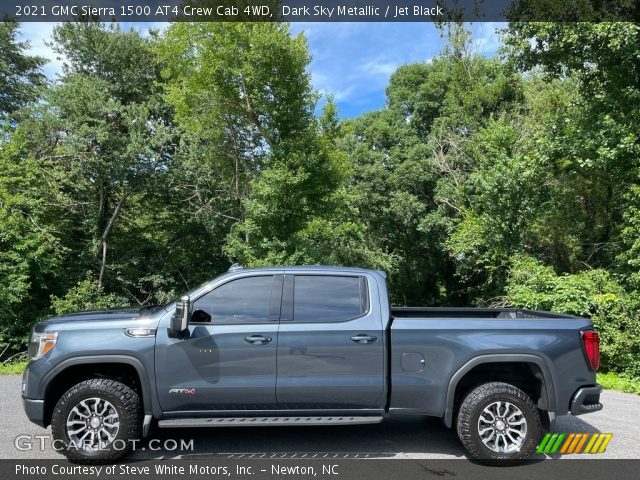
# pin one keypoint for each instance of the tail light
(591, 345)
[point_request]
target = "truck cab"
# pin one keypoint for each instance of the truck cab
(300, 340)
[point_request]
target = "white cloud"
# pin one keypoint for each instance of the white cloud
(377, 67)
(37, 33)
(485, 40)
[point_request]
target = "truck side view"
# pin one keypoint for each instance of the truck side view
(307, 346)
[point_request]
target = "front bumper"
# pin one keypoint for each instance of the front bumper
(34, 410)
(586, 400)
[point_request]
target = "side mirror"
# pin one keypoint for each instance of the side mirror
(200, 316)
(180, 318)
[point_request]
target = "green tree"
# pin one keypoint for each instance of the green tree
(243, 97)
(31, 254)
(86, 295)
(415, 164)
(113, 133)
(595, 144)
(21, 77)
(594, 294)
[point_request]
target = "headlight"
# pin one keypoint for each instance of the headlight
(41, 343)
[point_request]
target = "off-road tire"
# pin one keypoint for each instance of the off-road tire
(472, 407)
(127, 404)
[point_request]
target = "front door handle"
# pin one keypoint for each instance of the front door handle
(257, 339)
(363, 338)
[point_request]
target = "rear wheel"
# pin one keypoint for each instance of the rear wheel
(96, 420)
(499, 423)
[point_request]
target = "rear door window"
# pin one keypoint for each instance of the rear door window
(324, 298)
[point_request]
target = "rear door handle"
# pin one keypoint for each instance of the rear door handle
(363, 338)
(257, 339)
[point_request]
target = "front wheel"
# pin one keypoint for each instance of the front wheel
(499, 423)
(96, 421)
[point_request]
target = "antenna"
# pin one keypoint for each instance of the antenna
(234, 267)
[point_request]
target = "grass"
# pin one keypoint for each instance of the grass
(13, 368)
(613, 381)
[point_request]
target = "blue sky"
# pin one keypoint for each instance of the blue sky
(351, 61)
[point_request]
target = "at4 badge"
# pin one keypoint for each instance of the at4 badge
(184, 391)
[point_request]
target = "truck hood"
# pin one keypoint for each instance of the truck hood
(101, 315)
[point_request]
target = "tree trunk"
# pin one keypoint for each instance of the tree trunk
(105, 236)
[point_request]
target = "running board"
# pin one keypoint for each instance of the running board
(265, 421)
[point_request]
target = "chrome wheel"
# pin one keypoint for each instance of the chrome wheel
(502, 427)
(93, 424)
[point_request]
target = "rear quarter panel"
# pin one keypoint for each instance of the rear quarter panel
(447, 344)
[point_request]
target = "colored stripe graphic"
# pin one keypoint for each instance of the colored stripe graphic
(573, 443)
(596, 445)
(603, 447)
(601, 443)
(568, 443)
(556, 446)
(590, 443)
(543, 443)
(578, 448)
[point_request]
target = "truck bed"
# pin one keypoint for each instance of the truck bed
(427, 344)
(456, 312)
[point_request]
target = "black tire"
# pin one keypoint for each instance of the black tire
(473, 406)
(121, 397)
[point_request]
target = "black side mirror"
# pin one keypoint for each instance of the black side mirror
(200, 316)
(180, 318)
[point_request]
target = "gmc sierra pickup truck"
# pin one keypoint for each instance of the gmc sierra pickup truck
(306, 346)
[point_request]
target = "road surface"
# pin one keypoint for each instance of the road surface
(408, 437)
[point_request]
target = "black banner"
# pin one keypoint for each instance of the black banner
(328, 468)
(321, 10)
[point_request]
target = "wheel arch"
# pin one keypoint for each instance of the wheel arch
(68, 373)
(548, 396)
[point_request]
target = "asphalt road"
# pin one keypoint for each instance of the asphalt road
(409, 437)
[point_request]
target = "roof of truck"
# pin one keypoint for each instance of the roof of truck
(236, 268)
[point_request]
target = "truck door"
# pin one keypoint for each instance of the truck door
(227, 359)
(330, 344)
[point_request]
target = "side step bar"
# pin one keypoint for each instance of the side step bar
(265, 421)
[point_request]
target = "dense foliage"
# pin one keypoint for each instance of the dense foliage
(20, 75)
(154, 161)
(590, 293)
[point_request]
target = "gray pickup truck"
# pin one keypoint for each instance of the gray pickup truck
(306, 346)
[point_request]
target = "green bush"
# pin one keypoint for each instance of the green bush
(86, 295)
(594, 294)
(612, 381)
(13, 368)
